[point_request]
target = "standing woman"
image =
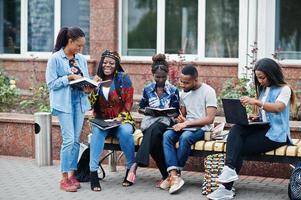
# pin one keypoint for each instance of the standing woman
(68, 104)
(158, 94)
(114, 100)
(274, 100)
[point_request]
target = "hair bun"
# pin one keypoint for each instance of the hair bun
(159, 58)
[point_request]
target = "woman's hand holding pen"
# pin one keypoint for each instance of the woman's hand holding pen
(97, 78)
(72, 77)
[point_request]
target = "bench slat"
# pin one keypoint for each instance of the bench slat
(281, 151)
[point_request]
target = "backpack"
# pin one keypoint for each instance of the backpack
(294, 187)
(82, 173)
(213, 165)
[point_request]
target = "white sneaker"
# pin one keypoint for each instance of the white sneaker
(165, 184)
(176, 184)
(228, 175)
(221, 194)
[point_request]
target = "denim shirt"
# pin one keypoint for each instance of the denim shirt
(57, 72)
(279, 122)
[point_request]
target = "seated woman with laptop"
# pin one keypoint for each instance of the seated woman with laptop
(274, 99)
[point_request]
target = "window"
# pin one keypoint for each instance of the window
(40, 26)
(139, 27)
(199, 28)
(35, 32)
(77, 13)
(288, 29)
(221, 28)
(10, 26)
(181, 27)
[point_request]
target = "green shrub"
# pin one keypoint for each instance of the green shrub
(39, 101)
(8, 92)
(237, 88)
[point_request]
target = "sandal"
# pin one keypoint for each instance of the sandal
(94, 180)
(131, 177)
(125, 182)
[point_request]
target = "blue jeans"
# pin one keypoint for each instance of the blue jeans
(124, 134)
(176, 158)
(71, 125)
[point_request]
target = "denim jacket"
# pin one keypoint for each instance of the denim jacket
(58, 85)
(279, 122)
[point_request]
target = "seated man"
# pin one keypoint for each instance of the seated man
(198, 106)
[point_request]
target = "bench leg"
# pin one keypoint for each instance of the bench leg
(113, 161)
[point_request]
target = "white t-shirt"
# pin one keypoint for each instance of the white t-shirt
(196, 102)
(105, 91)
(284, 97)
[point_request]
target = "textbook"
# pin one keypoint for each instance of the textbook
(105, 124)
(82, 82)
(156, 112)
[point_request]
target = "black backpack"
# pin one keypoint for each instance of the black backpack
(83, 170)
(294, 187)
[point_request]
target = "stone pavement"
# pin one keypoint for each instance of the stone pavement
(20, 178)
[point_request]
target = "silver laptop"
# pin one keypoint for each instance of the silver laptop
(235, 113)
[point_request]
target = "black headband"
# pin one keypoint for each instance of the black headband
(111, 54)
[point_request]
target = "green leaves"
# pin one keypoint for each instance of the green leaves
(39, 101)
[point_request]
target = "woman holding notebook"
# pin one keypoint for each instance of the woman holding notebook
(68, 104)
(274, 100)
(162, 95)
(113, 99)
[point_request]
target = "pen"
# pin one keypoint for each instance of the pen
(180, 112)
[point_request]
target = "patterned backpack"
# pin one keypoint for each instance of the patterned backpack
(294, 187)
(213, 165)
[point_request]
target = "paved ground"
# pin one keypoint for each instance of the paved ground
(20, 178)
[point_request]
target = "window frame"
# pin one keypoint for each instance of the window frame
(251, 28)
(24, 53)
(199, 57)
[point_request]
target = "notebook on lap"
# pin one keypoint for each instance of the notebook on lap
(105, 124)
(235, 113)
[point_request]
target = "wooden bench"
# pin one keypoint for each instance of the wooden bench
(284, 154)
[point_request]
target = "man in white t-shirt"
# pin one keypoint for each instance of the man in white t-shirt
(198, 110)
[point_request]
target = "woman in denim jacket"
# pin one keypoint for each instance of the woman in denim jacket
(273, 102)
(68, 104)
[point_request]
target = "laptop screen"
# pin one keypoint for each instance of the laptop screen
(235, 112)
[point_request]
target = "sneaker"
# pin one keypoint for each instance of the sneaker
(165, 184)
(74, 181)
(228, 175)
(221, 194)
(67, 186)
(176, 184)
